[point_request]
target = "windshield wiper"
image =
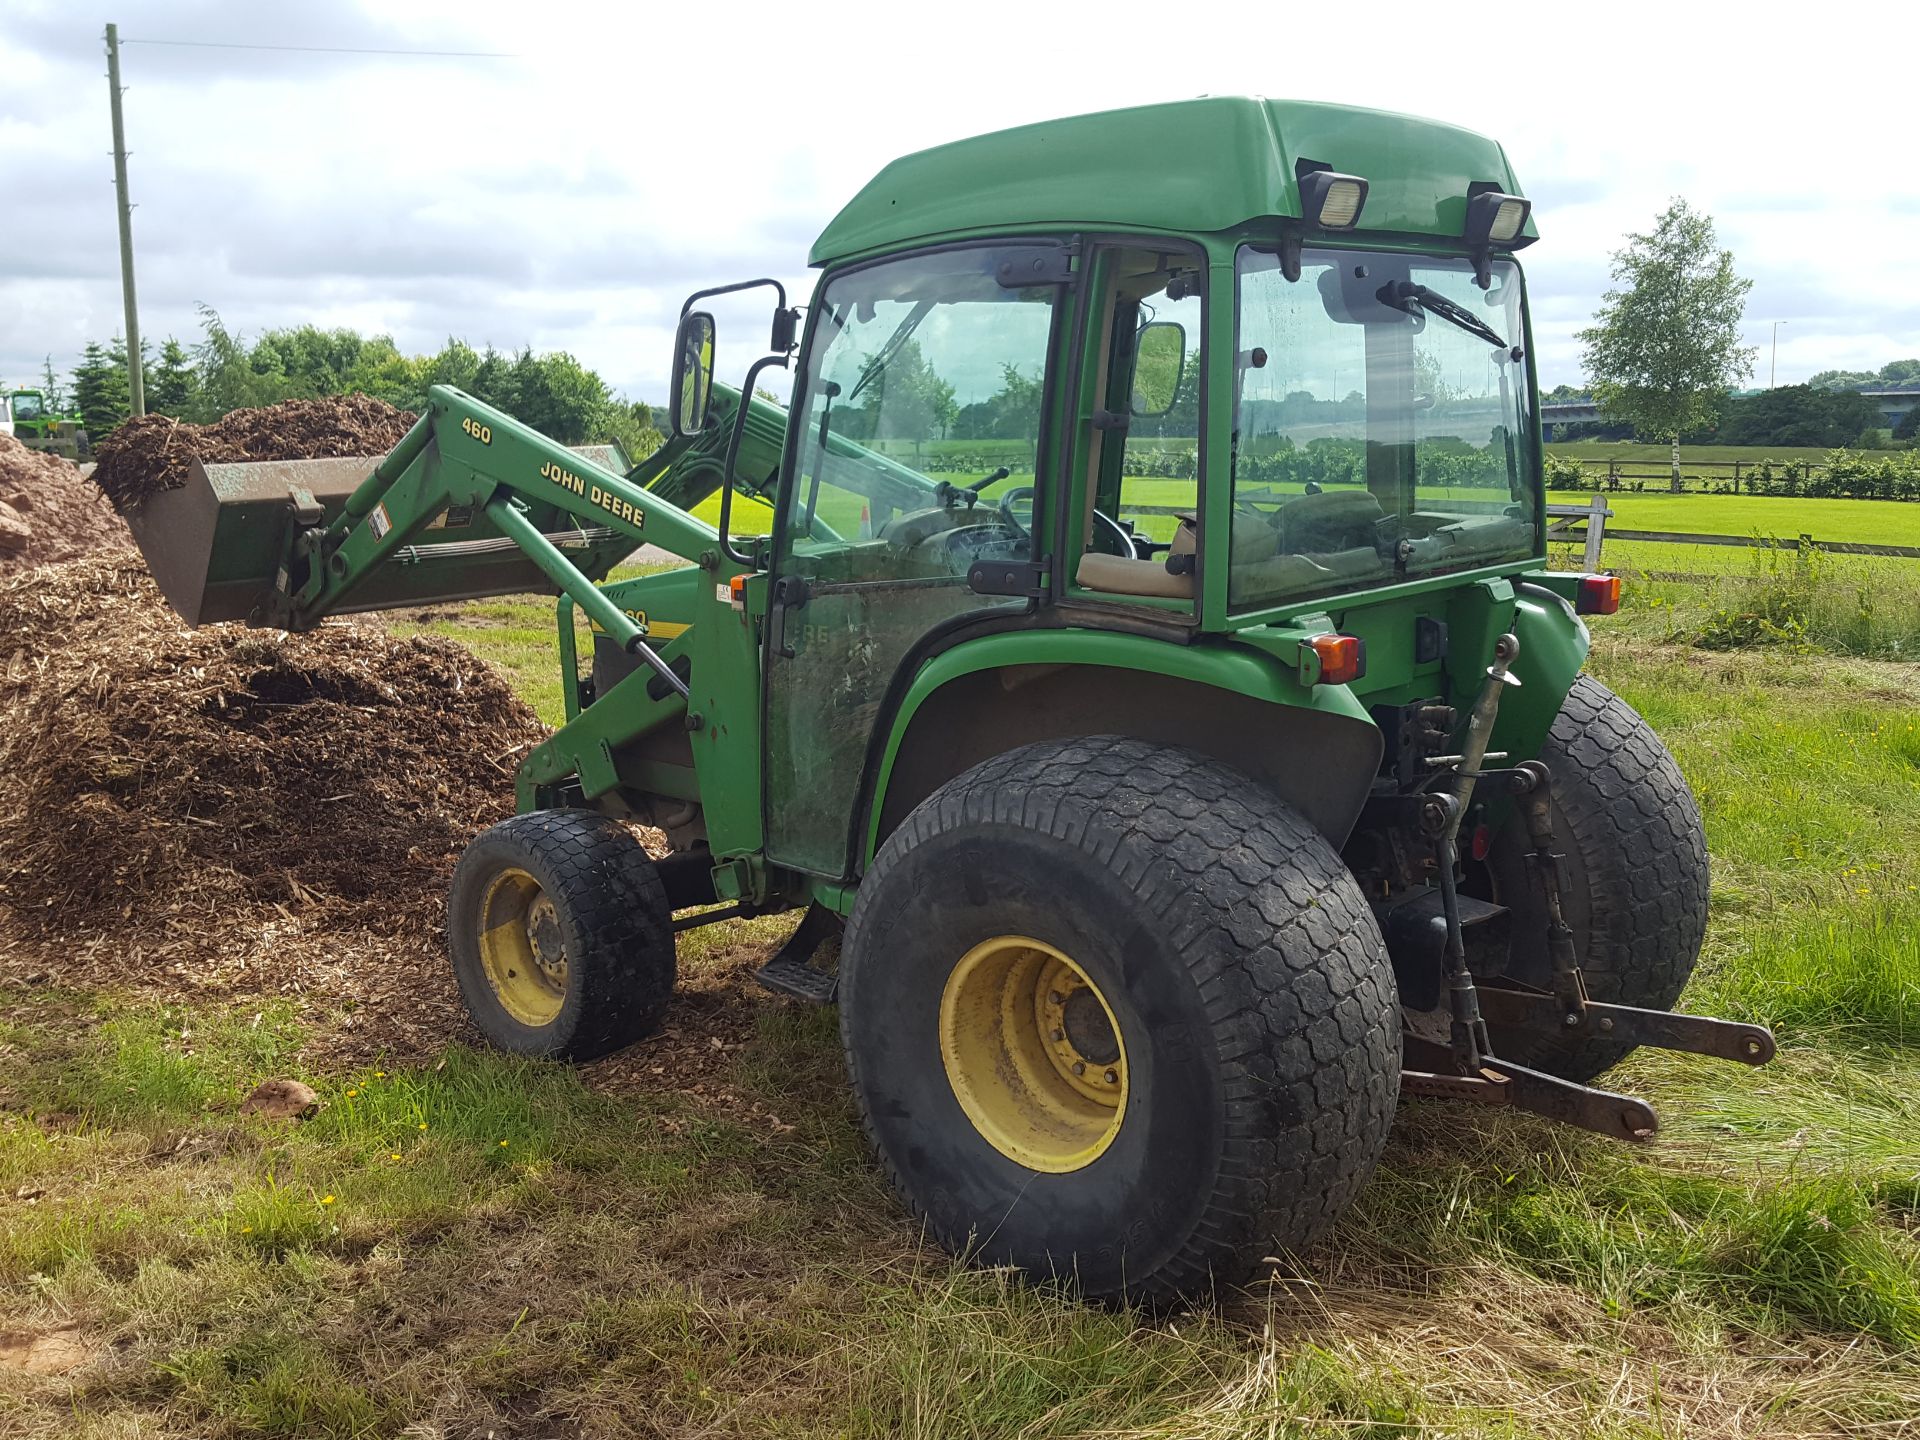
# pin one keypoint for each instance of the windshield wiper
(887, 351)
(1404, 295)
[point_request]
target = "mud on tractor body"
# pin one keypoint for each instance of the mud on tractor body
(1153, 669)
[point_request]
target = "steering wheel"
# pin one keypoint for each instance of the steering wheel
(1007, 497)
(1122, 541)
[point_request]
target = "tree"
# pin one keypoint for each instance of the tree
(1665, 343)
(905, 400)
(630, 425)
(1800, 415)
(1011, 413)
(1842, 379)
(100, 391)
(556, 395)
(233, 377)
(51, 388)
(1909, 426)
(171, 384)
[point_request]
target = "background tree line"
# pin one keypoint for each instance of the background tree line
(225, 371)
(1812, 414)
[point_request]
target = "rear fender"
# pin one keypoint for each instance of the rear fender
(1553, 647)
(1314, 745)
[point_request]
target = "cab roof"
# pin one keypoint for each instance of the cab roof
(1190, 165)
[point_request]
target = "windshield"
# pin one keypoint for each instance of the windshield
(922, 395)
(1381, 424)
(26, 407)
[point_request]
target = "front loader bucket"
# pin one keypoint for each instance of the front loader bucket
(214, 545)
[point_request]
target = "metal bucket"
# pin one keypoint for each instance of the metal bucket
(215, 543)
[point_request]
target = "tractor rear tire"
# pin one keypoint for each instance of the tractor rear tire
(1633, 885)
(1160, 919)
(560, 936)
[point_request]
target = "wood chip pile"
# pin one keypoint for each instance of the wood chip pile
(155, 453)
(163, 781)
(49, 512)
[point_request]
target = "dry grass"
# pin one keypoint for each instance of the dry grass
(688, 1239)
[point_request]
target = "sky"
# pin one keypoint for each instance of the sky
(568, 188)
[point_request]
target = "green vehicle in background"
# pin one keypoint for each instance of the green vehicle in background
(1153, 668)
(25, 415)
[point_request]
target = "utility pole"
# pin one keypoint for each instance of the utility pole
(136, 387)
(1773, 370)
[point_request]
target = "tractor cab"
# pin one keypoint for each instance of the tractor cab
(1192, 371)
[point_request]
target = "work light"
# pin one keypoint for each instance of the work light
(1494, 218)
(1330, 200)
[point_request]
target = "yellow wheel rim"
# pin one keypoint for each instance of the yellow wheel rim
(1034, 1054)
(522, 949)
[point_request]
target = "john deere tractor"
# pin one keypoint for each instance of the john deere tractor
(1151, 674)
(25, 415)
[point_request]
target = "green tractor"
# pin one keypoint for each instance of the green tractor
(1152, 675)
(25, 415)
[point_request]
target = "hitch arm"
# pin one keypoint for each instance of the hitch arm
(1662, 1029)
(1518, 1087)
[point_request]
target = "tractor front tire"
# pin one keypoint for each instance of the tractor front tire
(1116, 1015)
(1633, 883)
(560, 936)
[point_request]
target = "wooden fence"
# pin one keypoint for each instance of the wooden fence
(1621, 472)
(1589, 523)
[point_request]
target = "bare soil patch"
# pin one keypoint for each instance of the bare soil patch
(46, 1352)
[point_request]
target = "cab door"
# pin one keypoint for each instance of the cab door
(921, 445)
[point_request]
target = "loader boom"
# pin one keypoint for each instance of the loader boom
(464, 458)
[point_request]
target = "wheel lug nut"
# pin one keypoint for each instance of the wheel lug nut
(1079, 1067)
(1054, 997)
(1059, 1035)
(1113, 1077)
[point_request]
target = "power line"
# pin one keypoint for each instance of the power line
(331, 49)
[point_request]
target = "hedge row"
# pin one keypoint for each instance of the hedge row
(1844, 475)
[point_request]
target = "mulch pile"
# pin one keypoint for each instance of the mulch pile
(154, 453)
(48, 511)
(190, 805)
(231, 815)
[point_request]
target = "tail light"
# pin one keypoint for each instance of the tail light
(1599, 595)
(1343, 658)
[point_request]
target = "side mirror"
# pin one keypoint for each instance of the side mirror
(1159, 364)
(691, 388)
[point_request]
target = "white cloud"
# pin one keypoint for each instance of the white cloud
(570, 196)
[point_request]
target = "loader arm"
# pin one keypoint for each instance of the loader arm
(464, 458)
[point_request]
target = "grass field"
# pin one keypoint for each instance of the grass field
(1868, 522)
(486, 1247)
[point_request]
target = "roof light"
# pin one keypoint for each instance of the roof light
(1496, 219)
(1340, 659)
(1330, 200)
(1598, 595)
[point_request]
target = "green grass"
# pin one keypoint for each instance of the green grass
(1870, 522)
(639, 1259)
(1721, 597)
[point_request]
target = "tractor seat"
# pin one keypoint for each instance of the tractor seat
(1130, 575)
(1125, 575)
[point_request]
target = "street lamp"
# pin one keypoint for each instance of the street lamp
(1773, 370)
